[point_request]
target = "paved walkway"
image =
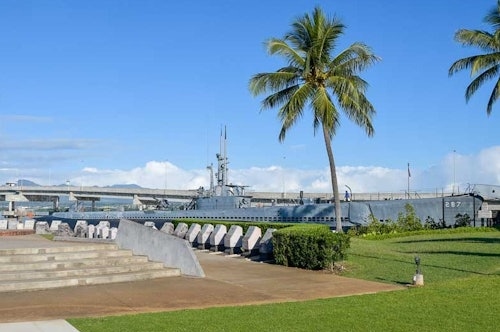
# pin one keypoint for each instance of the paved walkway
(59, 325)
(229, 281)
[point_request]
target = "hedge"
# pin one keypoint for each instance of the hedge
(313, 247)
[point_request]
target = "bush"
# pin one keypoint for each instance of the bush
(430, 223)
(409, 221)
(406, 222)
(312, 247)
(462, 220)
(374, 227)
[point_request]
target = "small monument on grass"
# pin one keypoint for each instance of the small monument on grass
(418, 278)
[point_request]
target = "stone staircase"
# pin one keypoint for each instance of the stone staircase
(25, 269)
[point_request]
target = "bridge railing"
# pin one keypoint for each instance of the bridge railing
(80, 191)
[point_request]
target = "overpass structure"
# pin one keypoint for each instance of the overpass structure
(144, 196)
(138, 196)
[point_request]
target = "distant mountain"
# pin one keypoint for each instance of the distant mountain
(28, 183)
(125, 186)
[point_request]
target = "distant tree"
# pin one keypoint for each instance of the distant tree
(462, 220)
(483, 67)
(409, 221)
(430, 223)
(316, 79)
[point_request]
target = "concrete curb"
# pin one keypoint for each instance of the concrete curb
(58, 325)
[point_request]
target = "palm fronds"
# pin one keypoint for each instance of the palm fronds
(483, 67)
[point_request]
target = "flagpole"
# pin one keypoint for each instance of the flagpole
(409, 175)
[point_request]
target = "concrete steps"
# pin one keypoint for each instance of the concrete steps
(25, 269)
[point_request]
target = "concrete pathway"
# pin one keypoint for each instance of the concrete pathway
(38, 326)
(229, 281)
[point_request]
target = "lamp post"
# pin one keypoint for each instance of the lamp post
(409, 176)
(454, 173)
(283, 178)
(82, 171)
(166, 177)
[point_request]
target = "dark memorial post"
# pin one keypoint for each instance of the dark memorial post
(418, 278)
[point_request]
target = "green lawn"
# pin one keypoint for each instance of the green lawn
(461, 293)
(444, 257)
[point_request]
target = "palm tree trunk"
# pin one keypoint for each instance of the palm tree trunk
(335, 185)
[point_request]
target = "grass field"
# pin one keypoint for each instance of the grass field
(461, 293)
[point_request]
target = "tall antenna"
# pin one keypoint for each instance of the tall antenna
(225, 156)
(222, 161)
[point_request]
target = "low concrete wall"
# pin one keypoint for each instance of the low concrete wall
(158, 246)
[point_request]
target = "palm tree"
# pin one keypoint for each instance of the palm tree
(317, 80)
(482, 66)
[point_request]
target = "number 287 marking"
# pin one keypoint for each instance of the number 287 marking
(452, 204)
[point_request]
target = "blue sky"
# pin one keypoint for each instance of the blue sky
(106, 92)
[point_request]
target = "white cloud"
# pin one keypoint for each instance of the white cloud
(47, 144)
(25, 118)
(488, 162)
(481, 168)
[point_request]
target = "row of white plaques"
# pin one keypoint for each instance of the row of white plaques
(207, 236)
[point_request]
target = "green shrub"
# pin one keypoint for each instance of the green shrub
(307, 246)
(462, 220)
(374, 227)
(430, 223)
(409, 221)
